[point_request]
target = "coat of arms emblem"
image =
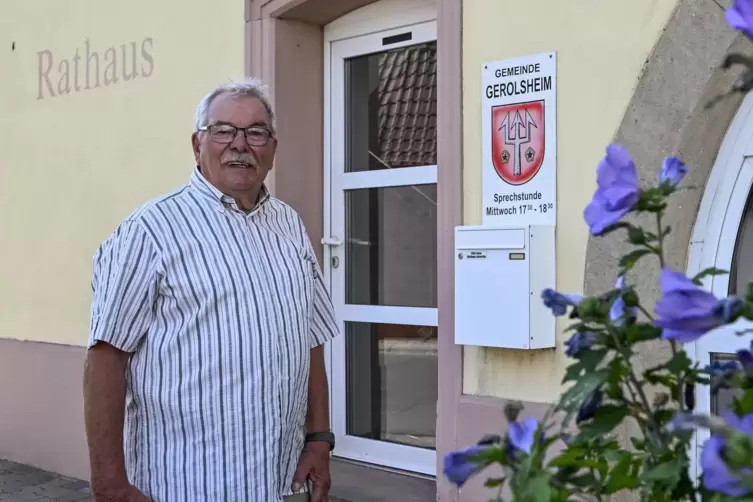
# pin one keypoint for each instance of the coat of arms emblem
(518, 141)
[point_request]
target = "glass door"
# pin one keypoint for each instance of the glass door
(382, 246)
(735, 254)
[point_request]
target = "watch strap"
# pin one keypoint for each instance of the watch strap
(324, 437)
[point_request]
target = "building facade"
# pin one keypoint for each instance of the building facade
(379, 117)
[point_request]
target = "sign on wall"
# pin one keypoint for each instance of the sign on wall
(519, 145)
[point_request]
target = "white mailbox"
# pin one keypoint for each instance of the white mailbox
(499, 275)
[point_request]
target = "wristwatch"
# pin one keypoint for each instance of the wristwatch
(323, 437)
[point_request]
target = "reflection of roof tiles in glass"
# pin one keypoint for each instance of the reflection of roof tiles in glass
(408, 106)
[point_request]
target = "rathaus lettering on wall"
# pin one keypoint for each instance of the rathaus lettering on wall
(88, 69)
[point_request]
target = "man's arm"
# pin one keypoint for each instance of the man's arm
(124, 287)
(317, 414)
(104, 409)
(314, 462)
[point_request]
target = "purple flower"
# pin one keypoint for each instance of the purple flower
(721, 373)
(460, 465)
(618, 309)
(716, 475)
(580, 342)
(520, 438)
(559, 302)
(617, 190)
(686, 312)
(672, 170)
(728, 308)
(740, 16)
(745, 356)
(522, 434)
(718, 368)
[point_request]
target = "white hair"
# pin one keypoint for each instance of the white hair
(248, 87)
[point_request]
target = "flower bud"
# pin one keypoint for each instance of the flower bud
(512, 410)
(630, 298)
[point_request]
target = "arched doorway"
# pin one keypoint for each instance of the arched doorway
(723, 238)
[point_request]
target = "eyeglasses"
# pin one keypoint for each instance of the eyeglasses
(225, 133)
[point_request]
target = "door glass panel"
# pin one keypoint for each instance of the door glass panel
(741, 272)
(391, 383)
(722, 399)
(391, 246)
(391, 109)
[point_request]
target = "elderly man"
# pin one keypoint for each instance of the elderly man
(204, 378)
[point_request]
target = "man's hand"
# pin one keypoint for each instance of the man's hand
(314, 465)
(122, 493)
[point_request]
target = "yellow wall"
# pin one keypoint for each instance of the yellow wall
(74, 165)
(601, 47)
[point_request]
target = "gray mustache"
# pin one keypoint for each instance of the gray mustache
(245, 158)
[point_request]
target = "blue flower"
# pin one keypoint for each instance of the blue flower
(672, 170)
(618, 309)
(590, 406)
(520, 438)
(740, 16)
(716, 475)
(718, 368)
(617, 190)
(745, 356)
(559, 302)
(727, 308)
(721, 373)
(580, 342)
(686, 312)
(522, 434)
(460, 465)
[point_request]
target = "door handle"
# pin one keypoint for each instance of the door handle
(331, 241)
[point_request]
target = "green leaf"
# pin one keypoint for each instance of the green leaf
(629, 260)
(583, 481)
(614, 226)
(665, 471)
(569, 457)
(679, 363)
(642, 332)
(744, 405)
(590, 359)
(636, 235)
(606, 419)
(573, 372)
(621, 478)
(638, 443)
(538, 489)
(587, 362)
(711, 271)
(574, 396)
(494, 482)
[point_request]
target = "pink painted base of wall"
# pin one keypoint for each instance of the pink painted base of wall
(41, 406)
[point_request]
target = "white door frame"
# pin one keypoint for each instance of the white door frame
(357, 33)
(713, 241)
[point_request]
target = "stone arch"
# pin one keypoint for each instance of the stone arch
(666, 116)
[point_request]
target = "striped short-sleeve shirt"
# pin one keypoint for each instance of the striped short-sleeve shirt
(220, 309)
